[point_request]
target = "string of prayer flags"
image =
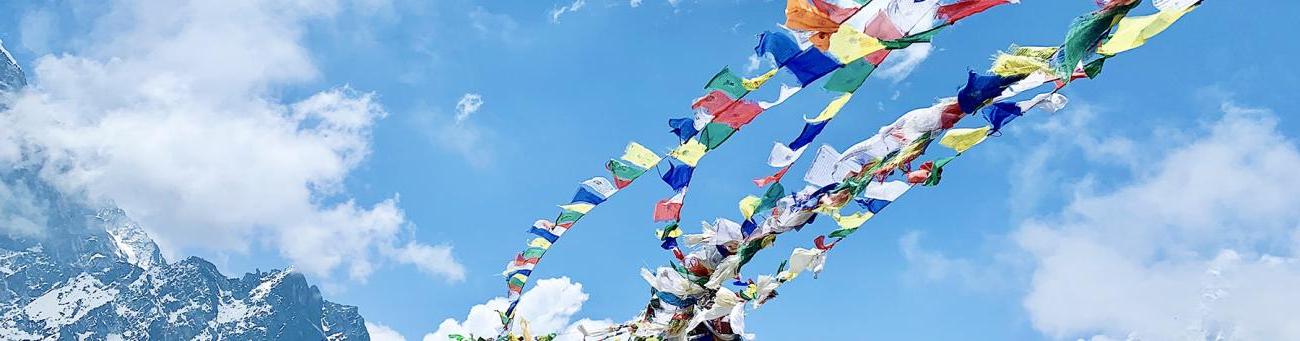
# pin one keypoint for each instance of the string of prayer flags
(865, 176)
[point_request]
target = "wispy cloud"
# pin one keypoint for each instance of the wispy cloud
(570, 8)
(459, 133)
(901, 63)
(495, 25)
(467, 105)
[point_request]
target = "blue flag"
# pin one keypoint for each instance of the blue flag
(981, 88)
(684, 128)
(810, 65)
(679, 176)
(873, 205)
(550, 237)
(1001, 113)
(586, 196)
(780, 45)
(810, 131)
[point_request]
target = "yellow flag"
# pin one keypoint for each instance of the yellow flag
(689, 152)
(640, 156)
(1134, 31)
(849, 44)
(748, 205)
(671, 234)
(756, 82)
(852, 221)
(964, 138)
(832, 109)
(578, 207)
(540, 242)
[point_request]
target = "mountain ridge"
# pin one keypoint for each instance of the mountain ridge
(72, 270)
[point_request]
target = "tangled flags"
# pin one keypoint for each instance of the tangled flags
(690, 300)
(861, 40)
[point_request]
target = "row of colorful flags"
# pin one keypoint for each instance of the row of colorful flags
(841, 43)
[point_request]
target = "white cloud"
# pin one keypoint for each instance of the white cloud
(1200, 244)
(933, 266)
(434, 260)
(634, 3)
(549, 308)
(459, 134)
(755, 62)
(495, 25)
(379, 332)
(19, 213)
(570, 8)
(467, 105)
(901, 63)
(170, 113)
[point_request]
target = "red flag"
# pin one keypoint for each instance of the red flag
(738, 114)
(920, 175)
(951, 114)
(875, 58)
(712, 103)
(882, 28)
(820, 242)
(836, 13)
(764, 181)
(965, 8)
(667, 210)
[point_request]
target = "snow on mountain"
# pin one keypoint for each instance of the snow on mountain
(11, 76)
(75, 270)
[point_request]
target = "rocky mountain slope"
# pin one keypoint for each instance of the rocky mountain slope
(70, 270)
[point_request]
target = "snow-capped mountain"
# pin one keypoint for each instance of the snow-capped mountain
(73, 271)
(11, 76)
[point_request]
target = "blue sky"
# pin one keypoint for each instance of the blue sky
(983, 256)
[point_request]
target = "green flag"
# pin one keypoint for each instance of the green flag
(714, 134)
(727, 82)
(850, 77)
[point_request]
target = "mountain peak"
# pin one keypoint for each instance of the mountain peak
(11, 75)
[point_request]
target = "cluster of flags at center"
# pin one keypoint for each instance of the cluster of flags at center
(846, 43)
